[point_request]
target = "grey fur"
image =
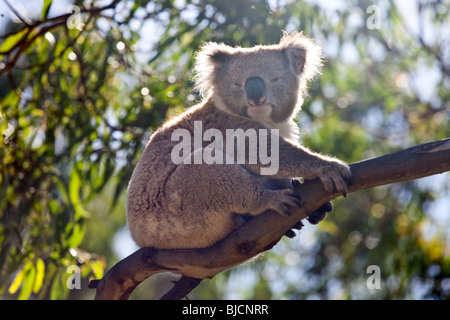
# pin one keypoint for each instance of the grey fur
(195, 205)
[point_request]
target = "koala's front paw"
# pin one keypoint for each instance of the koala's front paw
(336, 177)
(283, 201)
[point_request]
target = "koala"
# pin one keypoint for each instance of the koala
(194, 203)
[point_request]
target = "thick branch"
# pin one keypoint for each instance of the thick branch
(264, 231)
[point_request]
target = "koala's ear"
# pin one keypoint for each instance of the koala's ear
(217, 53)
(296, 56)
(303, 54)
(208, 61)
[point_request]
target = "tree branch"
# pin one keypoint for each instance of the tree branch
(181, 289)
(265, 230)
(25, 20)
(37, 29)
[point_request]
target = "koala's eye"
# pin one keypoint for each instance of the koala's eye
(237, 84)
(275, 79)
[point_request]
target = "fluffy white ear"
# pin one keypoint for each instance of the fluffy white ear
(303, 54)
(208, 62)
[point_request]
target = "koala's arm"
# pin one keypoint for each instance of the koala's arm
(298, 161)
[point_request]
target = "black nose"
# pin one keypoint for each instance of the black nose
(255, 91)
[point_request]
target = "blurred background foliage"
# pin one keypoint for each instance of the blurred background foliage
(82, 87)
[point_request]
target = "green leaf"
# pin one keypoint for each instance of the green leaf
(15, 285)
(27, 284)
(77, 235)
(46, 9)
(74, 194)
(58, 289)
(61, 188)
(40, 273)
(11, 41)
(97, 269)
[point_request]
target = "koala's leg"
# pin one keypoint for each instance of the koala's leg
(226, 187)
(205, 199)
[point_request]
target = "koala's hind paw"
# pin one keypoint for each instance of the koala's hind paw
(313, 218)
(320, 214)
(283, 201)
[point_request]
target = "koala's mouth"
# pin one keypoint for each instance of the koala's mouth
(265, 109)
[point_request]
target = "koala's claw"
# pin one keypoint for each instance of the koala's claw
(337, 177)
(290, 234)
(295, 183)
(320, 214)
(298, 226)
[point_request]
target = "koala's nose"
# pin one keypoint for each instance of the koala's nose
(255, 90)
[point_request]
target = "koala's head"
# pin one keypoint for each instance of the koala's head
(265, 83)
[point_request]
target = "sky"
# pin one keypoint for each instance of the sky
(30, 9)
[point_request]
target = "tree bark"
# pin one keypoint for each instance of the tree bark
(265, 230)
